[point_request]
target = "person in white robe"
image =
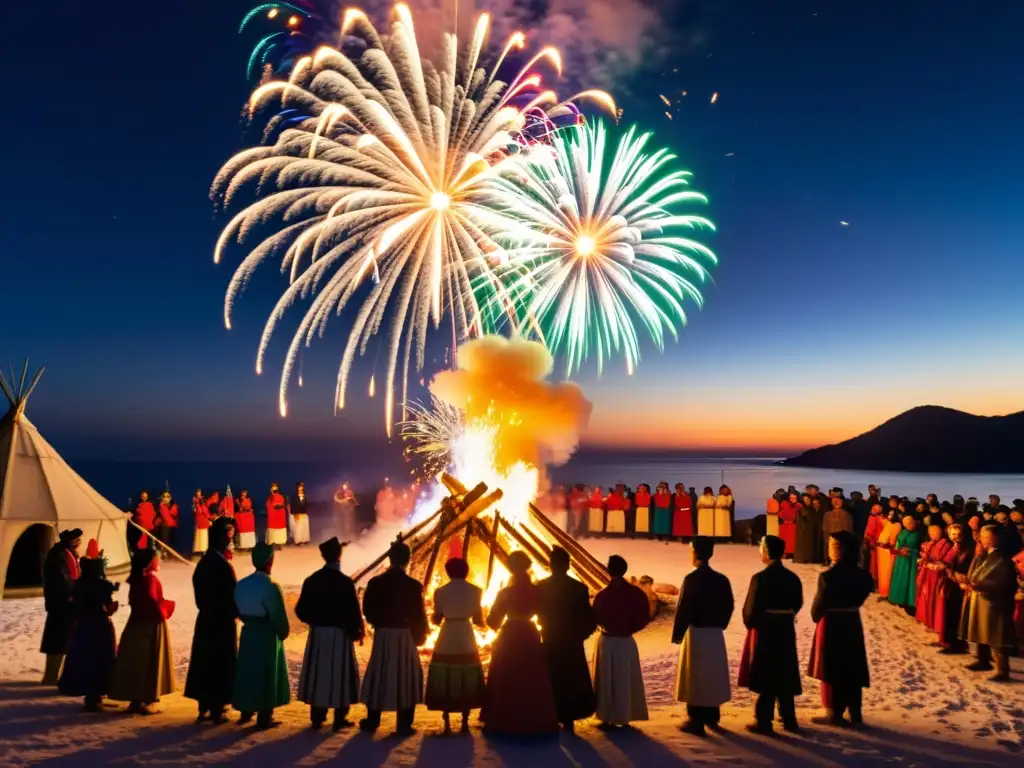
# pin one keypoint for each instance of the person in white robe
(702, 615)
(706, 513)
(298, 516)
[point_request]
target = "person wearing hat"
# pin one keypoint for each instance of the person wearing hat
(987, 618)
(298, 516)
(839, 658)
(277, 518)
(144, 670)
(245, 522)
(703, 613)
(60, 570)
(167, 520)
(211, 666)
(393, 606)
(330, 676)
(93, 646)
(621, 610)
(455, 679)
(769, 666)
(261, 677)
(566, 621)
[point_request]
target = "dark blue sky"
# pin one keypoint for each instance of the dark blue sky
(902, 118)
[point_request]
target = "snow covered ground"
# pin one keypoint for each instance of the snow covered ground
(924, 708)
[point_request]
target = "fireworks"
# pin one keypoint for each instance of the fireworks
(287, 31)
(376, 176)
(430, 432)
(597, 244)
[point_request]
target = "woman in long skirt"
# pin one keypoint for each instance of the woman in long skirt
(144, 670)
(93, 646)
(903, 585)
(519, 699)
(662, 524)
(886, 556)
(455, 679)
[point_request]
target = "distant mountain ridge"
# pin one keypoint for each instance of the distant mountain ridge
(929, 438)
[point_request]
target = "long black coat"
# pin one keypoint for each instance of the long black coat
(705, 601)
(842, 658)
(328, 599)
(211, 669)
(567, 620)
(808, 536)
(58, 584)
(774, 668)
(394, 600)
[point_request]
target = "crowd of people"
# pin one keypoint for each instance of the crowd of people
(965, 582)
(667, 515)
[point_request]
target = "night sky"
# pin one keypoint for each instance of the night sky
(903, 119)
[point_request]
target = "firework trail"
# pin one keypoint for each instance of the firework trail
(598, 245)
(376, 177)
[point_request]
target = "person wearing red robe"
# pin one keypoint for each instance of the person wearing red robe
(203, 518)
(145, 516)
(617, 505)
(167, 520)
(277, 517)
(595, 512)
(227, 504)
(245, 522)
(957, 561)
(642, 502)
(682, 514)
(789, 512)
(518, 699)
(1018, 605)
(930, 573)
(869, 557)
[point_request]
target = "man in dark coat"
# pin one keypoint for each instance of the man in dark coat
(987, 618)
(393, 606)
(211, 668)
(770, 667)
(60, 569)
(702, 615)
(566, 621)
(839, 658)
(328, 604)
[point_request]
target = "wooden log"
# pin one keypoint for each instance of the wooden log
(535, 555)
(490, 557)
(447, 514)
(401, 537)
(576, 551)
(493, 542)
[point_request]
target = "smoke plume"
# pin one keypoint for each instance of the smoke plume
(504, 382)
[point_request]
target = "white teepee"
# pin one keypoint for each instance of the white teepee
(37, 487)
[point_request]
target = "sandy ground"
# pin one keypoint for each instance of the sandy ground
(924, 708)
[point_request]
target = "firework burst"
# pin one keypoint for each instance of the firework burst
(598, 245)
(373, 192)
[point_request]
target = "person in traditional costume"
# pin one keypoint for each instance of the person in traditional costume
(60, 571)
(145, 517)
(885, 551)
(957, 563)
(771, 512)
(298, 516)
(790, 512)
(519, 700)
(987, 619)
(455, 678)
(167, 520)
(393, 606)
(261, 677)
(277, 517)
(839, 658)
(202, 518)
(931, 572)
(345, 507)
(92, 649)
(211, 667)
(872, 533)
(662, 525)
(808, 532)
(903, 586)
(330, 674)
(682, 514)
(245, 522)
(227, 504)
(769, 666)
(144, 670)
(617, 505)
(642, 517)
(1018, 599)
(566, 621)
(706, 513)
(725, 511)
(836, 519)
(213, 502)
(595, 512)
(702, 615)
(621, 610)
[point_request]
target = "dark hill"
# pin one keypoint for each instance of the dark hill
(929, 439)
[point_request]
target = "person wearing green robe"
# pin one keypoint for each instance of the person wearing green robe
(903, 587)
(261, 680)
